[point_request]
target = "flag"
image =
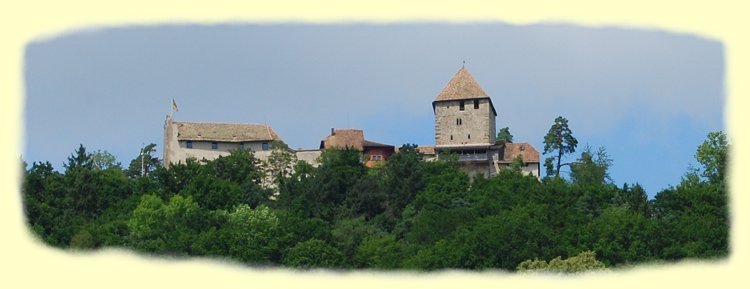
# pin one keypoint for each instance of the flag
(174, 105)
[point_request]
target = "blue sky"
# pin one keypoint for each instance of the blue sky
(648, 96)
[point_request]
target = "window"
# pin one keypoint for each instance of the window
(189, 144)
(242, 145)
(214, 145)
(376, 158)
(469, 136)
(451, 137)
(476, 104)
(265, 146)
(461, 106)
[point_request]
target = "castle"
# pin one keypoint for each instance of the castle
(464, 125)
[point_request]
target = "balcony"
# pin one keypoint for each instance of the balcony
(469, 156)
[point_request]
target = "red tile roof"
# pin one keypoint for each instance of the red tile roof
(367, 143)
(462, 86)
(342, 138)
(526, 150)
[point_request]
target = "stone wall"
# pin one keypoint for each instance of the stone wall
(309, 156)
(470, 126)
(176, 151)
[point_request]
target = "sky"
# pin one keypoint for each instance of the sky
(649, 97)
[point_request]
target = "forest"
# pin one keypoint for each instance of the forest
(408, 214)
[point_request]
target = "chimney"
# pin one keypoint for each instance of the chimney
(332, 132)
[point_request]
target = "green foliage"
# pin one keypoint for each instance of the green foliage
(379, 252)
(145, 163)
(558, 141)
(505, 239)
(313, 254)
(504, 136)
(253, 234)
(517, 164)
(82, 240)
(103, 160)
(348, 234)
(692, 221)
(339, 170)
(403, 177)
(585, 261)
(591, 168)
(78, 160)
(635, 199)
(214, 193)
(712, 154)
(280, 163)
(366, 198)
(408, 214)
(620, 236)
(171, 227)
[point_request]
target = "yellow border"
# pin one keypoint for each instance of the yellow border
(26, 263)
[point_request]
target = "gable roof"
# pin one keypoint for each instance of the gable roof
(372, 144)
(224, 132)
(462, 86)
(526, 150)
(342, 138)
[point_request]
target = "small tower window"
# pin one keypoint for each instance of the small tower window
(451, 137)
(214, 145)
(461, 105)
(469, 136)
(476, 104)
(189, 144)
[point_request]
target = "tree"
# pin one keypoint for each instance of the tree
(253, 233)
(558, 141)
(348, 234)
(692, 219)
(403, 178)
(504, 136)
(712, 154)
(366, 198)
(313, 253)
(379, 252)
(635, 198)
(145, 163)
(592, 168)
(585, 261)
(620, 236)
(102, 160)
(79, 159)
(280, 163)
(172, 227)
(517, 165)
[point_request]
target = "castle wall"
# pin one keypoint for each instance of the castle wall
(454, 126)
(309, 156)
(176, 151)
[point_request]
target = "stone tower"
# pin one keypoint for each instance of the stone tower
(464, 114)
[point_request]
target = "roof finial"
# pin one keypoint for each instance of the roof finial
(463, 64)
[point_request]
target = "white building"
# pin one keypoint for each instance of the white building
(183, 140)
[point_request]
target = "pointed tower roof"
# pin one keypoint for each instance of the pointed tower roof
(462, 86)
